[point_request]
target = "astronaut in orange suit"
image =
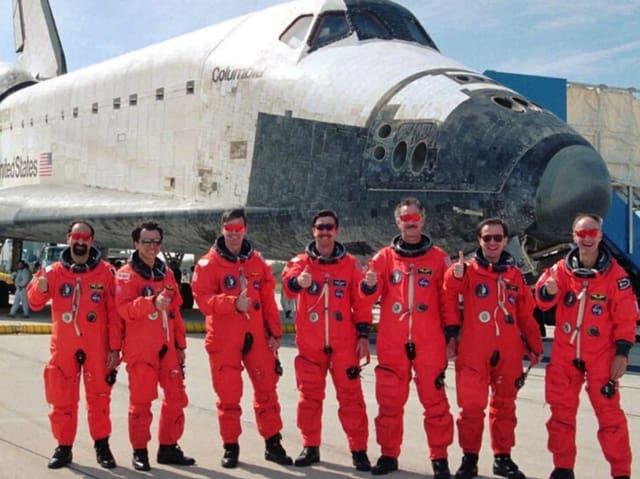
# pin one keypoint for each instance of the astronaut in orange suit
(234, 288)
(332, 331)
(148, 299)
(497, 313)
(412, 338)
(596, 314)
(86, 338)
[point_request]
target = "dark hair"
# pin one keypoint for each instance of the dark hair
(234, 213)
(408, 202)
(492, 221)
(149, 226)
(579, 216)
(81, 222)
(323, 214)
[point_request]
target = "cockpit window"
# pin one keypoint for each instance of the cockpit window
(369, 19)
(418, 34)
(295, 33)
(368, 25)
(330, 27)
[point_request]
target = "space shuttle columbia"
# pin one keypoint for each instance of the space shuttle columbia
(343, 104)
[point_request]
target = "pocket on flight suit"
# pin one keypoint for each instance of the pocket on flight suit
(143, 383)
(59, 389)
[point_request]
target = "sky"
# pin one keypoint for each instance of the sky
(586, 41)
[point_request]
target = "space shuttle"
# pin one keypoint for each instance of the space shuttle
(343, 104)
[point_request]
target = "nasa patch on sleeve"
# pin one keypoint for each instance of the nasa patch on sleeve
(624, 283)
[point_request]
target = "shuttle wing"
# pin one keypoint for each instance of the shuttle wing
(35, 212)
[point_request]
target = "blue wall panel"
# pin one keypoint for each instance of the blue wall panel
(550, 93)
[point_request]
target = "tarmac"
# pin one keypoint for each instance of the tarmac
(26, 442)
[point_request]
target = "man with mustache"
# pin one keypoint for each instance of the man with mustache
(86, 338)
(407, 277)
(332, 331)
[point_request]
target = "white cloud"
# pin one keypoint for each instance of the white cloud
(578, 63)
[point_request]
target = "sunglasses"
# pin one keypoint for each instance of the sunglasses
(234, 228)
(80, 236)
(154, 242)
(415, 217)
(325, 227)
(488, 238)
(593, 233)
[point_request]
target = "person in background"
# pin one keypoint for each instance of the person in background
(148, 299)
(21, 279)
(596, 314)
(412, 338)
(332, 335)
(234, 288)
(497, 312)
(86, 339)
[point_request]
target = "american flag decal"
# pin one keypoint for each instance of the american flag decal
(45, 165)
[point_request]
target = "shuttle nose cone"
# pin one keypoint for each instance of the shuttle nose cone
(576, 180)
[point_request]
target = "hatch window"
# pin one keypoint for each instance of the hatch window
(297, 31)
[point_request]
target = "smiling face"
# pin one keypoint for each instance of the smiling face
(149, 245)
(324, 232)
(492, 241)
(587, 235)
(80, 240)
(410, 222)
(234, 232)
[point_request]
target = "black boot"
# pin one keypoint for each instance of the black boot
(274, 451)
(308, 456)
(385, 465)
(140, 461)
(103, 453)
(441, 469)
(61, 457)
(560, 473)
(360, 460)
(505, 467)
(231, 454)
(172, 454)
(469, 466)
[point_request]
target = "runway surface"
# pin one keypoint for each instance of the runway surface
(26, 442)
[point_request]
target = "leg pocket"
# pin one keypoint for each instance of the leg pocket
(143, 383)
(60, 390)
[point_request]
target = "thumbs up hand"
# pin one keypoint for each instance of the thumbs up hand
(163, 300)
(370, 278)
(458, 266)
(304, 279)
(242, 303)
(551, 284)
(43, 286)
